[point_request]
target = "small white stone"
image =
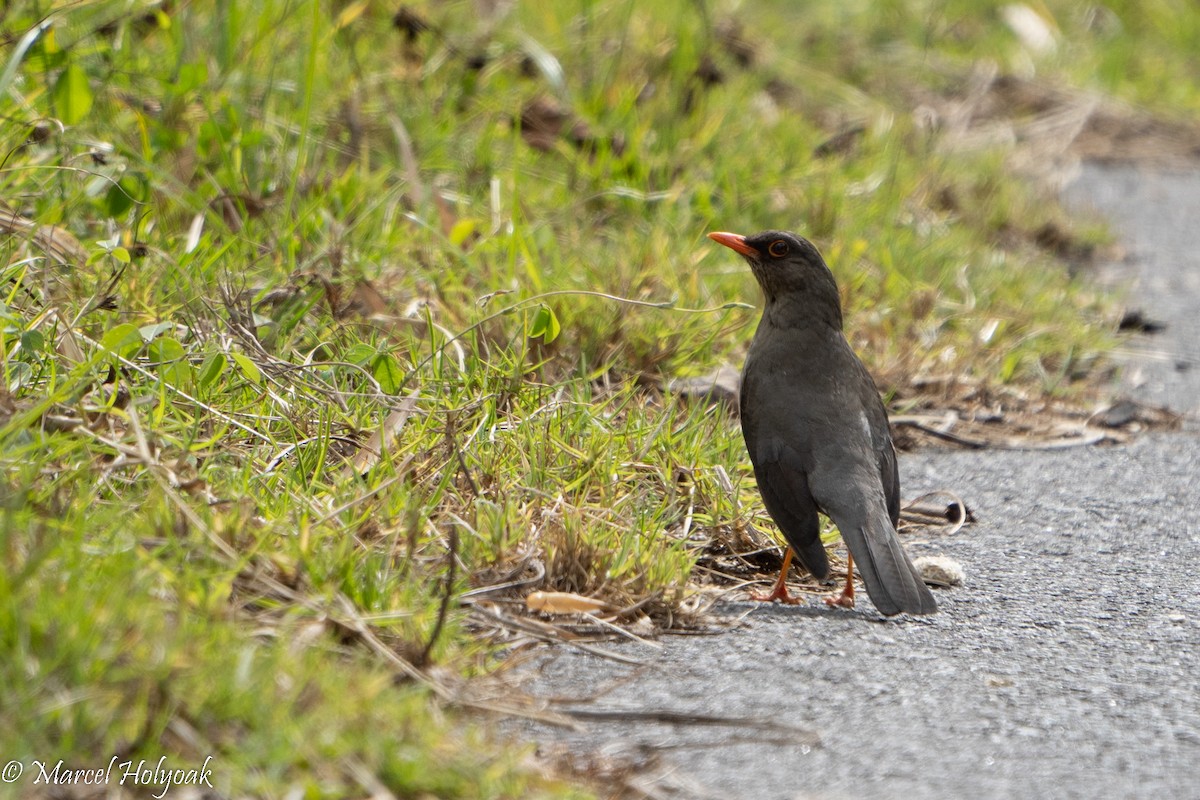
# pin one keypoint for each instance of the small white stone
(940, 570)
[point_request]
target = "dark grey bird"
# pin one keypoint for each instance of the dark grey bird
(817, 431)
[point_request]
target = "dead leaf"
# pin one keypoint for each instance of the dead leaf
(542, 119)
(368, 454)
(719, 386)
(563, 603)
(366, 300)
(57, 242)
(841, 142)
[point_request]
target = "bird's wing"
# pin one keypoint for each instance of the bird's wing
(889, 472)
(785, 493)
(779, 470)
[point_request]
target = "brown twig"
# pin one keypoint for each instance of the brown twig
(545, 632)
(802, 736)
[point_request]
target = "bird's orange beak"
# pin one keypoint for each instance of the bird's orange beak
(734, 242)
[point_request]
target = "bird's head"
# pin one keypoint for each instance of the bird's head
(788, 268)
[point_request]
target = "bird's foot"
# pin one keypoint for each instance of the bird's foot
(779, 593)
(846, 598)
(841, 600)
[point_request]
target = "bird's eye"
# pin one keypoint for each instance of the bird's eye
(778, 248)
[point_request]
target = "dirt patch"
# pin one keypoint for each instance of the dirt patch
(1049, 127)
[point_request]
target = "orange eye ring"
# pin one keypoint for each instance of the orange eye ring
(778, 248)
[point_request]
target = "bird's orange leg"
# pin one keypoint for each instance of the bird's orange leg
(780, 591)
(846, 598)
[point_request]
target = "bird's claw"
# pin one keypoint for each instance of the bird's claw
(842, 600)
(779, 593)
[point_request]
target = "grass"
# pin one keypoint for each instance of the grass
(242, 238)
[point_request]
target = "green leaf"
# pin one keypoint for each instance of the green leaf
(171, 359)
(155, 329)
(360, 354)
(72, 95)
(387, 371)
(462, 231)
(19, 374)
(191, 76)
(165, 350)
(249, 368)
(120, 254)
(1008, 367)
(32, 341)
(213, 367)
(121, 195)
(545, 324)
(538, 326)
(124, 340)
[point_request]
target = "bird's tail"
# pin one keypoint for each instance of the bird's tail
(892, 581)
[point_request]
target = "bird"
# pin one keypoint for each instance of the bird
(817, 431)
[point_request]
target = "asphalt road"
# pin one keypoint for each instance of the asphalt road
(1068, 665)
(1157, 218)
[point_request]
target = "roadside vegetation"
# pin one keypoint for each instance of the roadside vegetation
(330, 331)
